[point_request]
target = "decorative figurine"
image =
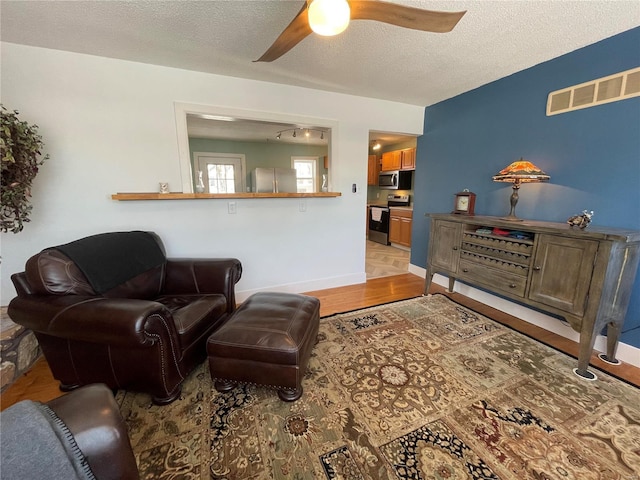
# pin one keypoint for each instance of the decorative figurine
(582, 220)
(200, 183)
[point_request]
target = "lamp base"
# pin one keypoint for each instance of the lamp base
(513, 200)
(512, 218)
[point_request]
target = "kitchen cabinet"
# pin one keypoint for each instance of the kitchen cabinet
(404, 159)
(372, 170)
(584, 276)
(400, 222)
(408, 159)
(391, 160)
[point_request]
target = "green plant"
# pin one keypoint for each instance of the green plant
(20, 153)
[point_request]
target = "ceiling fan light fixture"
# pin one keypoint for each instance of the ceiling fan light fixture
(328, 17)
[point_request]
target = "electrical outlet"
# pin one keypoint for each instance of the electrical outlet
(303, 205)
(231, 206)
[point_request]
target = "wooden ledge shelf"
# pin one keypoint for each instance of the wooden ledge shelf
(224, 196)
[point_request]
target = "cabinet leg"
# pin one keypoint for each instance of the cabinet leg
(452, 282)
(613, 335)
(427, 282)
(587, 339)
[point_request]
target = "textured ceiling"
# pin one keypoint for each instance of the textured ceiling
(493, 39)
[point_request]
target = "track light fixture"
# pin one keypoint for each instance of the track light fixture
(307, 132)
(376, 145)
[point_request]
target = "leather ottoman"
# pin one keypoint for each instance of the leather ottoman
(267, 341)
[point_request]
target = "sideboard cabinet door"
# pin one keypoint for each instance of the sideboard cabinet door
(444, 245)
(562, 271)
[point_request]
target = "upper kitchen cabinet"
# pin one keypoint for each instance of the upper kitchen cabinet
(391, 160)
(408, 159)
(404, 159)
(372, 170)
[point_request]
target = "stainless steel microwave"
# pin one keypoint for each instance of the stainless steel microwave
(396, 180)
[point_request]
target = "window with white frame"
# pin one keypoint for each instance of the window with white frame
(221, 178)
(221, 172)
(306, 173)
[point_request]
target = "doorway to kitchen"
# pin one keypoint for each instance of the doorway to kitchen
(391, 155)
(385, 260)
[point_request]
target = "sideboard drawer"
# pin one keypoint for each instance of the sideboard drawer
(491, 277)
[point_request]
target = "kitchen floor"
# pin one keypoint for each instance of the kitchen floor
(384, 260)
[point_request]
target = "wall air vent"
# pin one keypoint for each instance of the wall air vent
(616, 87)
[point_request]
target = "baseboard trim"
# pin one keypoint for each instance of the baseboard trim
(318, 284)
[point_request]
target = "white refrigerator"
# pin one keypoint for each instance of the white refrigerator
(274, 180)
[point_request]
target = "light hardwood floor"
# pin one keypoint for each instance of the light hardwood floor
(39, 384)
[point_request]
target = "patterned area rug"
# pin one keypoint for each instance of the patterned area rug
(418, 389)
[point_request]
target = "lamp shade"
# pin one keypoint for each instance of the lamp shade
(328, 17)
(521, 171)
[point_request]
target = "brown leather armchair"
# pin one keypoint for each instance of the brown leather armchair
(78, 435)
(112, 309)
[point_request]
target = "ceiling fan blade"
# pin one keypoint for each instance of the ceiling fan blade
(295, 32)
(403, 16)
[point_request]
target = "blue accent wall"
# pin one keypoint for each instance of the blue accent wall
(592, 155)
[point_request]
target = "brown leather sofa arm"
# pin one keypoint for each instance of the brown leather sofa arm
(100, 432)
(115, 321)
(193, 275)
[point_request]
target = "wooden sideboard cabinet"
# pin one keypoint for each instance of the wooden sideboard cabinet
(584, 276)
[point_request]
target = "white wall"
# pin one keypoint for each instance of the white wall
(109, 127)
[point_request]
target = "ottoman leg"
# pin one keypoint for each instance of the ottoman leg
(166, 400)
(224, 385)
(290, 395)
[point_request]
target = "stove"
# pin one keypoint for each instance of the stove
(397, 200)
(379, 218)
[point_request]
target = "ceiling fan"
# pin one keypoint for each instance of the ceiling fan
(330, 17)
